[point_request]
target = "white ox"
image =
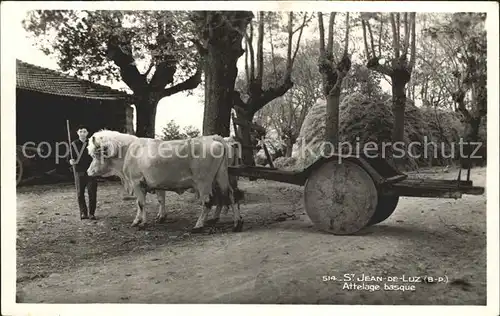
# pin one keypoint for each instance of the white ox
(151, 165)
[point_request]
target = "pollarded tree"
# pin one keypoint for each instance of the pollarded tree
(260, 88)
(333, 70)
(144, 49)
(286, 114)
(393, 56)
(432, 79)
(463, 38)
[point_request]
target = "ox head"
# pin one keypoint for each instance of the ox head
(104, 154)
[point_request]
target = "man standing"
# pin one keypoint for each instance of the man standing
(81, 160)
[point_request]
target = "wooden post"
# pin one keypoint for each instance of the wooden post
(71, 156)
(268, 156)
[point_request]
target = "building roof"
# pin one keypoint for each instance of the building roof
(36, 78)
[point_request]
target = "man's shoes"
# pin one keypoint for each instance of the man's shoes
(84, 216)
(92, 217)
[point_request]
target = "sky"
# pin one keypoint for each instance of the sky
(183, 109)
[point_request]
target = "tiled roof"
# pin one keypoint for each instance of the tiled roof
(35, 78)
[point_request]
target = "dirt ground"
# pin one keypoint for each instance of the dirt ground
(278, 258)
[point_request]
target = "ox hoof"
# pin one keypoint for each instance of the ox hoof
(197, 230)
(238, 227)
(211, 221)
(135, 223)
(141, 226)
(161, 219)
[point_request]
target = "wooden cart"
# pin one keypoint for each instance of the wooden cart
(343, 195)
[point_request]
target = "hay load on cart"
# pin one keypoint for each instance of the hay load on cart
(344, 194)
(45, 99)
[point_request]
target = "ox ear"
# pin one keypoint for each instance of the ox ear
(93, 141)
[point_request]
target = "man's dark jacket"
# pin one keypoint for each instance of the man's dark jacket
(81, 156)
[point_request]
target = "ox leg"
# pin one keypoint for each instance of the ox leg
(201, 220)
(216, 217)
(140, 217)
(207, 202)
(160, 218)
(238, 220)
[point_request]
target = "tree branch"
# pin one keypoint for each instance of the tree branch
(395, 39)
(273, 59)
(380, 37)
(122, 57)
(371, 38)
(164, 74)
(238, 104)
(374, 65)
(247, 70)
(271, 94)
(298, 40)
(367, 51)
(329, 47)
(436, 71)
(398, 27)
(260, 50)
(290, 42)
(166, 63)
(346, 41)
(413, 40)
(252, 53)
(406, 42)
(321, 35)
(304, 23)
(190, 83)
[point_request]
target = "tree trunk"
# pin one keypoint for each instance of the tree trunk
(246, 139)
(332, 118)
(289, 149)
(220, 76)
(398, 109)
(145, 106)
(472, 129)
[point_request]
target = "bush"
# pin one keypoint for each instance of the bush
(173, 131)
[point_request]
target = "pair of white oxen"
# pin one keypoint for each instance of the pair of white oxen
(148, 165)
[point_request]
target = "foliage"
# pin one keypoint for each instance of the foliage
(362, 80)
(172, 132)
(462, 36)
(286, 114)
(144, 49)
(80, 40)
(268, 76)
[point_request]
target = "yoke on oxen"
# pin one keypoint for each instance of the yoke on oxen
(147, 165)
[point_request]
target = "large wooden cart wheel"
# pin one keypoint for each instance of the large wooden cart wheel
(340, 198)
(19, 170)
(385, 207)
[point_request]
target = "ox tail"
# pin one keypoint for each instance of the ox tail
(223, 191)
